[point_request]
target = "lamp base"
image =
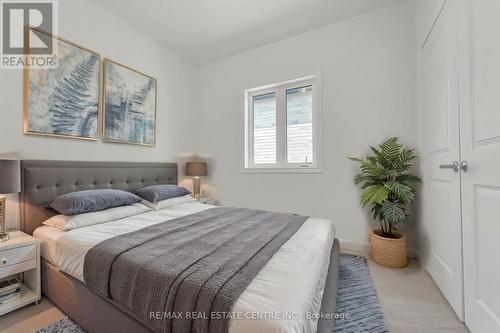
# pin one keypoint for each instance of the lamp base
(4, 236)
(196, 187)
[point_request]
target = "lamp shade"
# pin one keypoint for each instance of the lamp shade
(196, 169)
(10, 176)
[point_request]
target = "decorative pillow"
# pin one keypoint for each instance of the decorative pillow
(65, 222)
(169, 202)
(80, 202)
(156, 193)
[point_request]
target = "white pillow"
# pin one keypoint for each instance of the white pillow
(169, 202)
(65, 222)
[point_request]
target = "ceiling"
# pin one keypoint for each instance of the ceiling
(206, 30)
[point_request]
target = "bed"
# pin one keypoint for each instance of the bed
(309, 259)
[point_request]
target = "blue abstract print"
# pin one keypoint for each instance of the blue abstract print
(130, 105)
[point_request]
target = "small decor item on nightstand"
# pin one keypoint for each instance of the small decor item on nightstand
(389, 188)
(196, 170)
(10, 182)
(10, 290)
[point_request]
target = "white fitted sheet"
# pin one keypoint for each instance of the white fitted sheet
(289, 286)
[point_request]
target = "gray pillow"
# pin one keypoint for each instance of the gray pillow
(92, 200)
(156, 193)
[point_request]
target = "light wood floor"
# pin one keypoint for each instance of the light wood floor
(410, 300)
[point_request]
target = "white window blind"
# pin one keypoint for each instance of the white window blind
(264, 129)
(299, 125)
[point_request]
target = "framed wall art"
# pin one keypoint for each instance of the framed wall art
(64, 101)
(129, 105)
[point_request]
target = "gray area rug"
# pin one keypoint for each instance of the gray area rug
(358, 309)
(64, 325)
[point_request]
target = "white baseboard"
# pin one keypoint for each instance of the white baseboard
(355, 247)
(364, 248)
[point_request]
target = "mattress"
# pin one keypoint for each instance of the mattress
(279, 299)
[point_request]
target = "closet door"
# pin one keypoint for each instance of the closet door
(480, 133)
(442, 241)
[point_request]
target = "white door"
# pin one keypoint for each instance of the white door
(480, 134)
(441, 213)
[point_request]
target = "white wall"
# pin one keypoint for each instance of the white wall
(425, 13)
(368, 69)
(92, 26)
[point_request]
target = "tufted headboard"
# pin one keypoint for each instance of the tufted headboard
(43, 180)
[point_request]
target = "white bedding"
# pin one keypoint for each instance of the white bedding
(289, 286)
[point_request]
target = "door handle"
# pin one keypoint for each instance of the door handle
(455, 166)
(464, 166)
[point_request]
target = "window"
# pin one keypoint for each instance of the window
(282, 127)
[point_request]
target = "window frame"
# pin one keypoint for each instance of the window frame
(282, 165)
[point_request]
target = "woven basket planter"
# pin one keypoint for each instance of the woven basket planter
(390, 252)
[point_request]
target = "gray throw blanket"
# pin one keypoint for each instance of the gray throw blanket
(184, 275)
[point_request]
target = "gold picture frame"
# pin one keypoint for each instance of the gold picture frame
(105, 105)
(27, 90)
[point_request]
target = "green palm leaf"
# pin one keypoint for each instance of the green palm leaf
(380, 158)
(393, 212)
(390, 148)
(375, 194)
(377, 212)
(403, 193)
(408, 179)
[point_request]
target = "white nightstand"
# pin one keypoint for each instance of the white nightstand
(20, 257)
(207, 200)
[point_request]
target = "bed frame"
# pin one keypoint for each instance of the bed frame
(42, 181)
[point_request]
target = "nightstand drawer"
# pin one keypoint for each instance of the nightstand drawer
(17, 255)
(17, 268)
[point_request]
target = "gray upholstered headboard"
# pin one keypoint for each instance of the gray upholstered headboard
(42, 181)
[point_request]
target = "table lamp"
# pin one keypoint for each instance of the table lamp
(196, 170)
(10, 182)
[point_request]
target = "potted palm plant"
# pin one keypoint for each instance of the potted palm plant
(388, 188)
